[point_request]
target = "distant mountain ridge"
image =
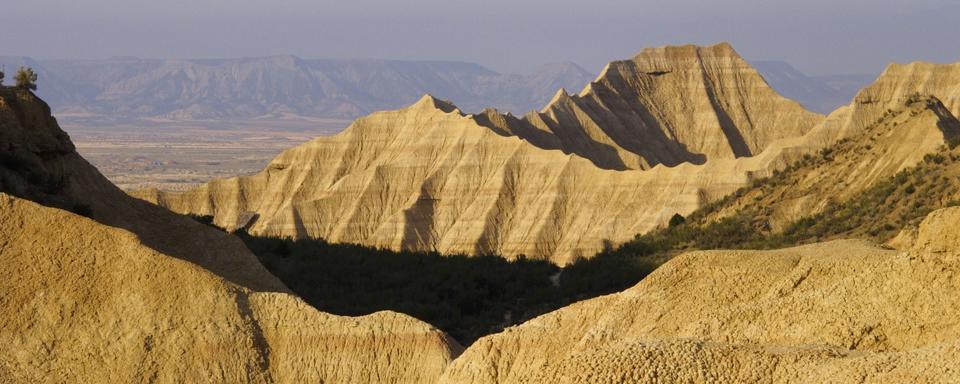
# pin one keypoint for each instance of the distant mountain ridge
(121, 88)
(125, 88)
(821, 94)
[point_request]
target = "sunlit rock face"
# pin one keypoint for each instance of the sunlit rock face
(586, 172)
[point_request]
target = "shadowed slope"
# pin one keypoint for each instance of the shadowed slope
(135, 293)
(665, 106)
(39, 163)
(84, 302)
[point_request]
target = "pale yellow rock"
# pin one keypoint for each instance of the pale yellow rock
(138, 294)
(45, 167)
(428, 177)
(894, 87)
(83, 303)
(840, 311)
(667, 105)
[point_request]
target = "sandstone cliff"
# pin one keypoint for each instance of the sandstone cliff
(907, 113)
(137, 294)
(668, 106)
(839, 311)
(898, 83)
(428, 177)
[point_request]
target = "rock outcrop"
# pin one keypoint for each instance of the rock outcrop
(838, 311)
(428, 177)
(135, 293)
(668, 106)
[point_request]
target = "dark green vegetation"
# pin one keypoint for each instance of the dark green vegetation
(468, 297)
(26, 78)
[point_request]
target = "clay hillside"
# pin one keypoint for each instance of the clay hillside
(586, 172)
(134, 293)
(842, 311)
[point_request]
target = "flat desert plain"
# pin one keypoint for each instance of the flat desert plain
(176, 155)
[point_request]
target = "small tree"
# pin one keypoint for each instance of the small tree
(26, 78)
(1, 75)
(676, 220)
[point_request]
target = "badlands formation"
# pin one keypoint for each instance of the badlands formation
(138, 294)
(901, 139)
(135, 293)
(584, 173)
(891, 125)
(570, 180)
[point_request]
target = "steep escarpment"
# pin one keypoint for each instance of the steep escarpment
(134, 293)
(888, 162)
(666, 106)
(837, 311)
(898, 83)
(428, 177)
(39, 163)
(893, 159)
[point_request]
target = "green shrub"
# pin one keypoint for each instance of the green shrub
(26, 78)
(676, 220)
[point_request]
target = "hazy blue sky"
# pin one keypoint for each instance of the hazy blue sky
(818, 36)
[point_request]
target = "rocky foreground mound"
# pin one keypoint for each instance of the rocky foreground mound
(137, 294)
(842, 311)
(84, 302)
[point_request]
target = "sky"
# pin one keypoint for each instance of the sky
(819, 37)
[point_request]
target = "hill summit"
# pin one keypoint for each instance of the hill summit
(558, 184)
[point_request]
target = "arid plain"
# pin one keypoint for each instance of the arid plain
(177, 154)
